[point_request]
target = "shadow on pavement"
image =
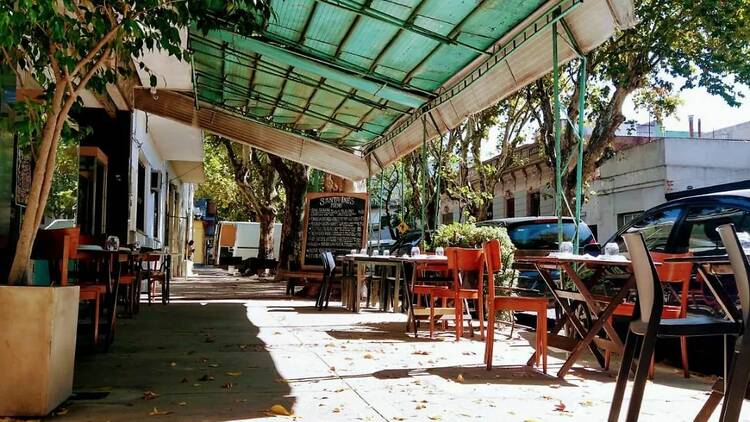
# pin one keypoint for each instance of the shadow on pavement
(186, 362)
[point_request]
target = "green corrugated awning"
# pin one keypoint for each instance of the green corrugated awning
(357, 74)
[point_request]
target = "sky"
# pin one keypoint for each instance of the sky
(712, 110)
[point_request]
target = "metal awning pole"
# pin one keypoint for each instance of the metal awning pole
(424, 179)
(581, 137)
(558, 165)
(380, 212)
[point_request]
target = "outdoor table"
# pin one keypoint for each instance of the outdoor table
(602, 307)
(112, 283)
(351, 300)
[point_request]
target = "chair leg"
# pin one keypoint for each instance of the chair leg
(96, 320)
(489, 339)
(542, 332)
(480, 311)
(641, 375)
(737, 383)
(432, 316)
(622, 376)
(459, 316)
(684, 352)
(329, 289)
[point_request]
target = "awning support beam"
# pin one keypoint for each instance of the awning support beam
(299, 61)
(401, 24)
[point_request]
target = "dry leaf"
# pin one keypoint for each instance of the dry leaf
(196, 385)
(172, 364)
(62, 411)
(227, 386)
(336, 410)
(280, 410)
(587, 403)
(157, 412)
(182, 403)
(184, 381)
(213, 365)
(554, 386)
(434, 418)
(149, 395)
(421, 352)
(234, 373)
(460, 378)
(368, 356)
(206, 377)
(560, 407)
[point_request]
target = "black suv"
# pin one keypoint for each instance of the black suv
(537, 236)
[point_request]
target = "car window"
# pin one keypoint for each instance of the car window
(655, 227)
(543, 236)
(701, 223)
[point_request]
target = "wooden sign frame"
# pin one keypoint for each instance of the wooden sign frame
(315, 195)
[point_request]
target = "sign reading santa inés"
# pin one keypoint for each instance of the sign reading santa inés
(335, 222)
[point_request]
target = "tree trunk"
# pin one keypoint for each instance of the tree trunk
(265, 242)
(294, 177)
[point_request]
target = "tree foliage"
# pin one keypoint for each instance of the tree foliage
(676, 44)
(63, 47)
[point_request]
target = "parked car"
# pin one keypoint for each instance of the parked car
(687, 226)
(407, 241)
(535, 236)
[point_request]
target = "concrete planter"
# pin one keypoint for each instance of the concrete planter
(37, 348)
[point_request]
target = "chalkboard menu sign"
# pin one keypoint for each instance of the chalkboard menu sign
(335, 222)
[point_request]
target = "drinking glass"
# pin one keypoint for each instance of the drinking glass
(354, 252)
(439, 251)
(375, 252)
(386, 253)
(415, 251)
(363, 251)
(611, 249)
(566, 248)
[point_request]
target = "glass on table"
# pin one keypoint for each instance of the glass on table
(353, 252)
(439, 251)
(611, 249)
(375, 252)
(415, 251)
(363, 251)
(566, 248)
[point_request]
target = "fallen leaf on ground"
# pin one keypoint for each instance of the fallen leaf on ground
(280, 410)
(460, 378)
(210, 339)
(587, 403)
(554, 386)
(172, 364)
(281, 381)
(196, 385)
(367, 356)
(182, 403)
(333, 369)
(421, 352)
(227, 386)
(560, 407)
(62, 411)
(434, 418)
(149, 395)
(184, 381)
(206, 377)
(336, 410)
(213, 365)
(157, 412)
(234, 373)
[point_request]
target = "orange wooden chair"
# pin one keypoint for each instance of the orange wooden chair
(155, 273)
(463, 261)
(493, 262)
(440, 280)
(59, 247)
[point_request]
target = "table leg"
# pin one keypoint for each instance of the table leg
(358, 289)
(576, 325)
(397, 289)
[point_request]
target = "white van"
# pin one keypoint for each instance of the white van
(240, 239)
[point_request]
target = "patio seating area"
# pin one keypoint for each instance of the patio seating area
(230, 348)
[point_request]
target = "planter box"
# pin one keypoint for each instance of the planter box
(37, 348)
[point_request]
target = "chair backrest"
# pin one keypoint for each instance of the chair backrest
(650, 294)
(464, 260)
(57, 246)
(493, 263)
(740, 266)
(324, 260)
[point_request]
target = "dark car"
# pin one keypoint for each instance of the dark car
(407, 241)
(687, 226)
(535, 236)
